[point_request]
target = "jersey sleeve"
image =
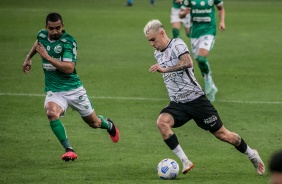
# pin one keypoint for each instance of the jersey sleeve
(218, 2)
(179, 48)
(70, 51)
(41, 35)
(185, 4)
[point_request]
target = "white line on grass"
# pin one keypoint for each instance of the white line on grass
(142, 98)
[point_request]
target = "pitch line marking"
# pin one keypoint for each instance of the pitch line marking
(141, 98)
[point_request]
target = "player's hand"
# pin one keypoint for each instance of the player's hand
(183, 12)
(42, 51)
(157, 68)
(222, 26)
(27, 65)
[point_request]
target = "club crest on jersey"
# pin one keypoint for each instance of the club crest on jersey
(58, 49)
(202, 3)
(186, 2)
(210, 2)
(166, 54)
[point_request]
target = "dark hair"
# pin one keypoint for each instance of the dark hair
(275, 164)
(53, 17)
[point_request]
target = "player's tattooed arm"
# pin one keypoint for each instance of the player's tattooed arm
(185, 61)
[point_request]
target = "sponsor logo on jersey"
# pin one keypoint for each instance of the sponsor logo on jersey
(210, 2)
(169, 76)
(182, 96)
(58, 49)
(202, 11)
(63, 40)
(193, 3)
(49, 67)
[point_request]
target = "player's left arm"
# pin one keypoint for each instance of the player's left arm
(65, 67)
(221, 13)
(184, 62)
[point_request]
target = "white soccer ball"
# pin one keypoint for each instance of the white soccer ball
(168, 169)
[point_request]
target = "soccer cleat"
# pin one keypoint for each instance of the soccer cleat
(114, 133)
(208, 85)
(187, 165)
(258, 163)
(69, 155)
(211, 95)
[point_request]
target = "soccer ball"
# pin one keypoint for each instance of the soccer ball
(168, 169)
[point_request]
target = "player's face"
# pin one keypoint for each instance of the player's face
(55, 30)
(156, 39)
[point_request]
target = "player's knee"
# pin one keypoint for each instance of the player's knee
(52, 115)
(162, 124)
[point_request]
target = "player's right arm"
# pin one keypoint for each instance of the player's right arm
(184, 10)
(27, 62)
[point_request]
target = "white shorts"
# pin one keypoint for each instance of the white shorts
(174, 17)
(77, 99)
(204, 42)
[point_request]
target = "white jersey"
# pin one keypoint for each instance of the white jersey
(181, 85)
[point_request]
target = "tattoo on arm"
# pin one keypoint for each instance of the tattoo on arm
(185, 61)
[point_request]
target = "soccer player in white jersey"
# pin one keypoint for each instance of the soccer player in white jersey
(187, 99)
(63, 87)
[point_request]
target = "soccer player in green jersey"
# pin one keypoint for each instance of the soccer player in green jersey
(63, 87)
(176, 21)
(203, 33)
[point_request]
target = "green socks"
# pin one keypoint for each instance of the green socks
(105, 124)
(203, 65)
(175, 33)
(60, 132)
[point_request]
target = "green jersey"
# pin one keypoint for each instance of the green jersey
(176, 5)
(202, 16)
(65, 50)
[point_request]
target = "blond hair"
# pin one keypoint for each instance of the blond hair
(154, 24)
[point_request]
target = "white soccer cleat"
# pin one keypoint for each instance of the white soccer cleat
(187, 165)
(258, 163)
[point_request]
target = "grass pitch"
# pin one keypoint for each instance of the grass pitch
(113, 62)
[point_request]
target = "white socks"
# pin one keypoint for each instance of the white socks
(250, 153)
(179, 152)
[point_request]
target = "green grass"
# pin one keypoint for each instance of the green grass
(113, 62)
